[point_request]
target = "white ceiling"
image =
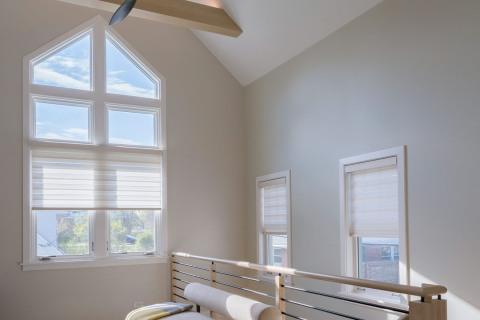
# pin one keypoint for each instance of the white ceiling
(274, 31)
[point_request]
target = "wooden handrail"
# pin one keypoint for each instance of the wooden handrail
(424, 292)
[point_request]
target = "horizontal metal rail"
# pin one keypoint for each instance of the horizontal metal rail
(246, 278)
(177, 295)
(244, 289)
(191, 266)
(348, 300)
(292, 316)
(174, 278)
(322, 310)
(179, 288)
(191, 275)
(426, 291)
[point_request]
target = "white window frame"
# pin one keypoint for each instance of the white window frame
(99, 101)
(134, 109)
(349, 244)
(64, 101)
(261, 235)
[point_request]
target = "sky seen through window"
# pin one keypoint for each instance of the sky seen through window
(70, 68)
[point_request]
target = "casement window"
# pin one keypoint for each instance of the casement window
(373, 221)
(94, 153)
(274, 219)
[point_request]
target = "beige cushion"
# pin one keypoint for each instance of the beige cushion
(230, 305)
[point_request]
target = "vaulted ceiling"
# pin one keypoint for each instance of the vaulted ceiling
(274, 31)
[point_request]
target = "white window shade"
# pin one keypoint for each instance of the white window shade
(374, 202)
(274, 205)
(83, 179)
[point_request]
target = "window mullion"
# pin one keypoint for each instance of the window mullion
(99, 124)
(100, 234)
(98, 129)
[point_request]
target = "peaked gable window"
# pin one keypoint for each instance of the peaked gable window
(94, 153)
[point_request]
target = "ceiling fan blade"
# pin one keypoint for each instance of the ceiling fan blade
(122, 12)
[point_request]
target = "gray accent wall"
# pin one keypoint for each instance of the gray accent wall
(405, 73)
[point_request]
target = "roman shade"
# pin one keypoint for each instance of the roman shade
(274, 205)
(373, 198)
(84, 179)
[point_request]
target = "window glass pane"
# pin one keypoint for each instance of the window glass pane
(378, 259)
(125, 77)
(58, 121)
(131, 128)
(277, 250)
(132, 231)
(61, 233)
(68, 68)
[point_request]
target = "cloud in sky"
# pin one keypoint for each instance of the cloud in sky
(68, 68)
(72, 134)
(120, 86)
(123, 141)
(39, 123)
(50, 76)
(126, 77)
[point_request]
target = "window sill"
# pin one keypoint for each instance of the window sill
(371, 298)
(89, 263)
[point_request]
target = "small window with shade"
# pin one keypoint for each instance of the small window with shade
(373, 221)
(274, 220)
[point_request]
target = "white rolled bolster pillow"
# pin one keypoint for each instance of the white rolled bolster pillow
(230, 305)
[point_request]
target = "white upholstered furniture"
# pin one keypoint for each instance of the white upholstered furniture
(230, 305)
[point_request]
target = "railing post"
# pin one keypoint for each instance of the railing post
(213, 278)
(280, 294)
(428, 309)
(434, 310)
(172, 274)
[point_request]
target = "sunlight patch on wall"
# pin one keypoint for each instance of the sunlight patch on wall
(455, 306)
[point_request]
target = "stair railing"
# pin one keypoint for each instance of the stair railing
(425, 308)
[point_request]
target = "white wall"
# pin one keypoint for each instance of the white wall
(405, 73)
(206, 168)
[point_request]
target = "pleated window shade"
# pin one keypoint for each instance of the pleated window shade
(373, 195)
(274, 205)
(81, 179)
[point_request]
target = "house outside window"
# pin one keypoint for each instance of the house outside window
(373, 221)
(274, 219)
(94, 153)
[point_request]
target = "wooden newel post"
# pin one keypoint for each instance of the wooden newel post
(428, 309)
(280, 294)
(433, 310)
(213, 284)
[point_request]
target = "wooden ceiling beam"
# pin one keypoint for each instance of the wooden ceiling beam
(181, 13)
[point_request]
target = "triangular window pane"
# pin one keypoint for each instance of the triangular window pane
(125, 77)
(68, 68)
